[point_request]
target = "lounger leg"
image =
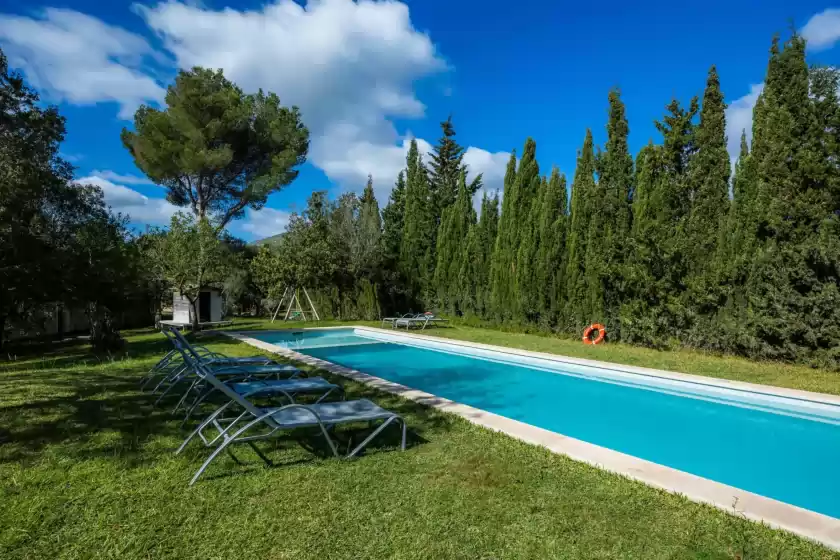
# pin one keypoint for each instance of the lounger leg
(376, 433)
(203, 425)
(223, 446)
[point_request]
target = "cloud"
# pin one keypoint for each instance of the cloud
(823, 29)
(127, 179)
(76, 58)
(265, 223)
(739, 115)
(349, 66)
(140, 208)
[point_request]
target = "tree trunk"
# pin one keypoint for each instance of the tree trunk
(2, 330)
(194, 305)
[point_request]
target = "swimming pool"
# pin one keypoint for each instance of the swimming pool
(780, 447)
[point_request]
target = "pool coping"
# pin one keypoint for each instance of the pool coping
(774, 513)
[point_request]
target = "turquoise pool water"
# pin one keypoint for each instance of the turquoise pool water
(788, 458)
(302, 339)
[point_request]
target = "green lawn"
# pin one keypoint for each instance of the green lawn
(87, 471)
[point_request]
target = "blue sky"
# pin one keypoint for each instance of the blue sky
(369, 75)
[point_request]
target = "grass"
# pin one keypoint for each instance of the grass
(87, 471)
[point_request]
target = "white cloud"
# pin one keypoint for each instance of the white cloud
(349, 66)
(491, 165)
(76, 58)
(127, 179)
(739, 117)
(265, 223)
(140, 208)
(823, 29)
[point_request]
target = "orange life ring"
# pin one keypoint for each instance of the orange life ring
(602, 332)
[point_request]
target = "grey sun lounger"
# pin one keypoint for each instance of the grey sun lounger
(255, 423)
(172, 363)
(197, 388)
(421, 321)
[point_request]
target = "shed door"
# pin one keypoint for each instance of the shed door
(204, 307)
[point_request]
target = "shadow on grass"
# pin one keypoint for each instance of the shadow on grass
(92, 412)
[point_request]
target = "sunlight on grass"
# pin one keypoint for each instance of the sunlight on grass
(87, 470)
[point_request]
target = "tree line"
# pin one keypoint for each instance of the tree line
(671, 247)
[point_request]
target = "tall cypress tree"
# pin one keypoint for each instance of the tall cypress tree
(792, 286)
(458, 218)
(369, 232)
(610, 224)
(709, 177)
(475, 265)
(583, 191)
(524, 304)
(549, 266)
(416, 251)
(645, 268)
(501, 271)
(393, 217)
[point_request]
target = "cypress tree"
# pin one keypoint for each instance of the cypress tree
(369, 233)
(501, 273)
(475, 267)
(645, 268)
(583, 191)
(524, 303)
(709, 175)
(610, 224)
(458, 218)
(792, 288)
(416, 251)
(549, 267)
(393, 217)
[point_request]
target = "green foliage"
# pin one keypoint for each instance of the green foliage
(552, 224)
(584, 202)
(609, 221)
(215, 149)
(416, 248)
(445, 168)
(191, 257)
(451, 287)
(58, 242)
(475, 266)
(528, 188)
(501, 267)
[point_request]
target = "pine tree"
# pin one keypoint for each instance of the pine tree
(446, 163)
(501, 271)
(583, 191)
(475, 266)
(458, 218)
(416, 251)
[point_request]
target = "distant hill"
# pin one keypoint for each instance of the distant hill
(273, 240)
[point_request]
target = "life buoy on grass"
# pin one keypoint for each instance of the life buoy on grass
(587, 334)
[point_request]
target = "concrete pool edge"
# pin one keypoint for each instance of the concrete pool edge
(815, 526)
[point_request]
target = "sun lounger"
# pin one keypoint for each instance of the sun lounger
(420, 321)
(244, 428)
